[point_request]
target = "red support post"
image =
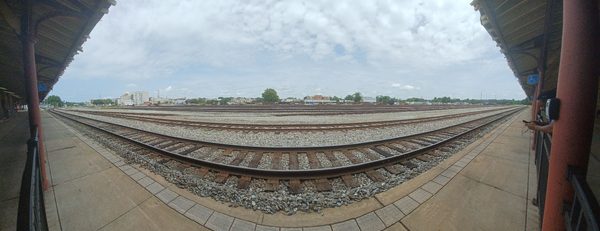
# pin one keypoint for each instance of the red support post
(577, 91)
(33, 99)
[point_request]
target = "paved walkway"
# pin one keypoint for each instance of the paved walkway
(14, 133)
(487, 186)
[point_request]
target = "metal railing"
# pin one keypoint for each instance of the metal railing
(542, 161)
(32, 212)
(582, 213)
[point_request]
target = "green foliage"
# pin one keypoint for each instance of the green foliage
(270, 96)
(349, 97)
(200, 101)
(384, 99)
(336, 99)
(102, 102)
(415, 100)
(224, 100)
(54, 101)
(72, 104)
(357, 97)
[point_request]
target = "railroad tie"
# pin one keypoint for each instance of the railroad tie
(323, 185)
(276, 160)
(293, 161)
(271, 185)
(255, 159)
(381, 151)
(176, 146)
(244, 182)
(350, 181)
(334, 160)
(238, 159)
(201, 172)
(221, 158)
(394, 169)
(221, 177)
(159, 141)
(295, 186)
(313, 161)
(397, 149)
(190, 150)
(423, 158)
(409, 164)
(352, 157)
(434, 153)
(375, 175)
(166, 144)
(370, 155)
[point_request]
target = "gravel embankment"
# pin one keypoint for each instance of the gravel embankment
(291, 139)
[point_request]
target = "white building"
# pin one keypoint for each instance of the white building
(136, 98)
(369, 100)
(140, 97)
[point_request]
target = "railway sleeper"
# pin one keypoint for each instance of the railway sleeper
(323, 185)
(409, 165)
(394, 169)
(190, 150)
(370, 155)
(221, 177)
(244, 182)
(382, 152)
(374, 175)
(166, 144)
(271, 185)
(424, 158)
(295, 186)
(349, 181)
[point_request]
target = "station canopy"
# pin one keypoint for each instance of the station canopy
(529, 35)
(62, 27)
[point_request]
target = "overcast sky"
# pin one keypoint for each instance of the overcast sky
(229, 48)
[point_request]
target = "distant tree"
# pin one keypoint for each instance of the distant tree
(200, 101)
(270, 96)
(349, 97)
(71, 104)
(102, 102)
(54, 101)
(415, 100)
(336, 99)
(383, 99)
(224, 100)
(357, 97)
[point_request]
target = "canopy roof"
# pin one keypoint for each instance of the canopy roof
(62, 27)
(529, 35)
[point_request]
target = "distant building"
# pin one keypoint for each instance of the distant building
(369, 100)
(318, 99)
(158, 101)
(242, 100)
(133, 99)
(125, 100)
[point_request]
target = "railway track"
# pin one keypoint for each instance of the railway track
(291, 166)
(278, 127)
(286, 110)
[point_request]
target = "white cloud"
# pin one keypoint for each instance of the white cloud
(319, 44)
(405, 87)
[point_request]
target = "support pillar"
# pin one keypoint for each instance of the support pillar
(31, 81)
(577, 91)
(3, 106)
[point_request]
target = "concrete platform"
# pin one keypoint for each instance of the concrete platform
(487, 186)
